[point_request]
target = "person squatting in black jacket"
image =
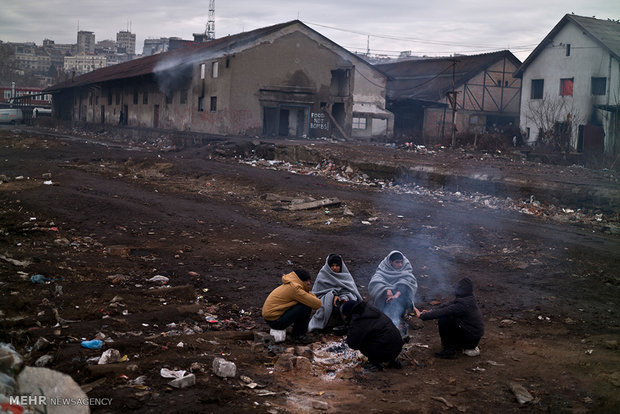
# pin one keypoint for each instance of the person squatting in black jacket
(460, 322)
(373, 334)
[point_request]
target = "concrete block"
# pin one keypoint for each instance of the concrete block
(223, 368)
(264, 338)
(183, 382)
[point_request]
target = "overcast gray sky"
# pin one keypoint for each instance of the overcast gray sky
(427, 27)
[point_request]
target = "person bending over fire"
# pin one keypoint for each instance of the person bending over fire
(333, 285)
(373, 333)
(460, 322)
(291, 303)
(393, 288)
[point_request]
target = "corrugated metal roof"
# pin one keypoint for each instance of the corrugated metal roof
(148, 65)
(604, 32)
(430, 79)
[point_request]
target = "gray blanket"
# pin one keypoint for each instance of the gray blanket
(386, 277)
(327, 285)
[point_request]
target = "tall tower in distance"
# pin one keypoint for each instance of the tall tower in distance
(211, 21)
(209, 33)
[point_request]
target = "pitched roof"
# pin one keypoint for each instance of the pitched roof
(188, 55)
(430, 79)
(604, 32)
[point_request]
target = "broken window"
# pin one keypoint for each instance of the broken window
(202, 70)
(599, 86)
(566, 87)
(538, 86)
(201, 103)
(339, 85)
(213, 103)
(118, 98)
(145, 98)
(135, 97)
(215, 69)
(359, 123)
(183, 97)
(169, 96)
(110, 98)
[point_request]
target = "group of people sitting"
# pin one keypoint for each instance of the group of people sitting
(377, 328)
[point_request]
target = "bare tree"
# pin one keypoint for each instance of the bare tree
(556, 119)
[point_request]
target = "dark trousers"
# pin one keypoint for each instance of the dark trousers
(453, 337)
(298, 316)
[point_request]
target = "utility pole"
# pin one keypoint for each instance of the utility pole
(452, 99)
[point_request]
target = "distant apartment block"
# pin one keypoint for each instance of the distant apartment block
(85, 42)
(84, 63)
(155, 46)
(126, 42)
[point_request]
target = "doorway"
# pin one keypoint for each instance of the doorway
(156, 116)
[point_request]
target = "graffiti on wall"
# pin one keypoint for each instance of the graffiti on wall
(319, 120)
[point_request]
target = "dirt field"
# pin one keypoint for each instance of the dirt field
(98, 218)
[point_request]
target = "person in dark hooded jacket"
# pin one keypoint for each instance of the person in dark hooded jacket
(373, 334)
(460, 322)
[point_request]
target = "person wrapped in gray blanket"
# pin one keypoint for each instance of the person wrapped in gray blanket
(333, 285)
(393, 287)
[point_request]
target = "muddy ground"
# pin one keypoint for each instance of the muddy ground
(97, 217)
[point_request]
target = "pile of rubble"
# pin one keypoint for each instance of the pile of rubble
(607, 223)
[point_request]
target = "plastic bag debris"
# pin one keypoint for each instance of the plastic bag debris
(38, 279)
(167, 373)
(159, 279)
(94, 344)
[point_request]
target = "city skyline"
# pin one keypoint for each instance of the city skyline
(386, 28)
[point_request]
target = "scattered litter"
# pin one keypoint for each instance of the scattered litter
(38, 279)
(443, 400)
(109, 356)
(22, 263)
(264, 393)
(167, 373)
(159, 279)
(523, 396)
(183, 382)
(94, 344)
(223, 368)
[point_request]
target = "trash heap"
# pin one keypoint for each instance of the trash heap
(29, 390)
(608, 223)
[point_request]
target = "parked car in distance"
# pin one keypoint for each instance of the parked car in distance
(36, 112)
(11, 116)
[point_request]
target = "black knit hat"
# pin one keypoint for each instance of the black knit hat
(347, 307)
(334, 259)
(302, 274)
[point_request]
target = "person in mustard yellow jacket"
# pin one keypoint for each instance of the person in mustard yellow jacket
(292, 303)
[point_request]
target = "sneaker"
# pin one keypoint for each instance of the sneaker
(403, 329)
(372, 367)
(446, 354)
(303, 339)
(472, 352)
